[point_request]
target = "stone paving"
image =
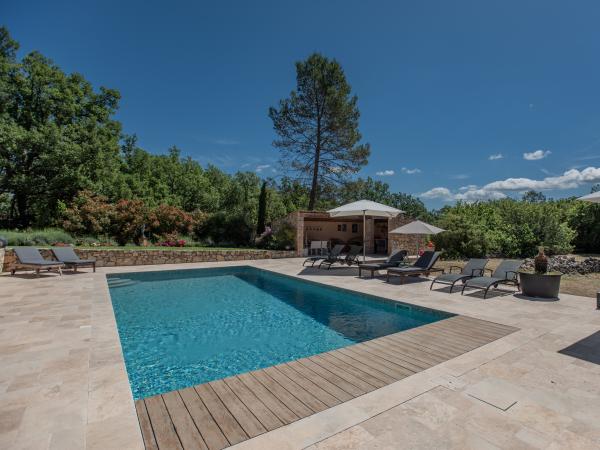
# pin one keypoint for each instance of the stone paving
(63, 383)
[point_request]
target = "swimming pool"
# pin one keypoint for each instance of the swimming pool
(186, 327)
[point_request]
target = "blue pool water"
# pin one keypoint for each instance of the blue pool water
(186, 327)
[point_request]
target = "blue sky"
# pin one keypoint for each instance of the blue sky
(458, 99)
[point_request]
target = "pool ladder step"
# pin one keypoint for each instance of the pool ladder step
(120, 282)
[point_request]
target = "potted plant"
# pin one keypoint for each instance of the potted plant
(539, 282)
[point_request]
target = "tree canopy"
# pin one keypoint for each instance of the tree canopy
(317, 126)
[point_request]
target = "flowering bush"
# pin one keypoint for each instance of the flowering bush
(166, 222)
(128, 221)
(176, 243)
(89, 213)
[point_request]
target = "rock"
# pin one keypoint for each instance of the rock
(568, 264)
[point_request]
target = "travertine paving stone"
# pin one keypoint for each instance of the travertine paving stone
(63, 383)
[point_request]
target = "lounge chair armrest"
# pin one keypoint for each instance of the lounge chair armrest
(477, 272)
(454, 267)
(514, 277)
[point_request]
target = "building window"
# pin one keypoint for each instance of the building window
(355, 228)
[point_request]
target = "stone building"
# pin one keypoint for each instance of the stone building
(320, 226)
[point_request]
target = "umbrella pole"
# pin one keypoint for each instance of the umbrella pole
(364, 237)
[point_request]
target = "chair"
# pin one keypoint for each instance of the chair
(473, 268)
(422, 266)
(350, 259)
(31, 258)
(333, 254)
(394, 260)
(69, 258)
(505, 273)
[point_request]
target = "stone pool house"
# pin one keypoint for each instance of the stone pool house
(320, 226)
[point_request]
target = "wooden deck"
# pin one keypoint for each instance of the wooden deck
(225, 412)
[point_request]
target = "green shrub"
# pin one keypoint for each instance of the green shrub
(45, 237)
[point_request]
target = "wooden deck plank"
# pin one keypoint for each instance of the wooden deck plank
(387, 379)
(236, 407)
(257, 407)
(483, 324)
(225, 412)
(271, 401)
(164, 430)
(296, 390)
(338, 364)
(438, 339)
(334, 378)
(210, 431)
(380, 364)
(315, 390)
(285, 396)
(423, 354)
(432, 344)
(182, 421)
(380, 349)
(145, 425)
(221, 415)
(321, 380)
(418, 357)
(463, 335)
(385, 360)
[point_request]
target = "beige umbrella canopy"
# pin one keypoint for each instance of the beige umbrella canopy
(594, 197)
(417, 227)
(364, 208)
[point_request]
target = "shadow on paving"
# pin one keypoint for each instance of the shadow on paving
(587, 349)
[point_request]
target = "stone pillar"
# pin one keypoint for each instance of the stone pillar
(370, 235)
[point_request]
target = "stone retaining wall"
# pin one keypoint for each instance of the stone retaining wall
(122, 257)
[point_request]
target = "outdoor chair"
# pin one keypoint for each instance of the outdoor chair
(350, 259)
(31, 258)
(505, 273)
(69, 258)
(422, 266)
(394, 260)
(333, 254)
(473, 268)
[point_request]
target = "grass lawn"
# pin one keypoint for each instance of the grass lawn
(584, 285)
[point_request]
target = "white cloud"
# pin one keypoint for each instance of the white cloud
(385, 173)
(496, 156)
(262, 167)
(437, 192)
(570, 179)
(410, 171)
(538, 154)
(470, 193)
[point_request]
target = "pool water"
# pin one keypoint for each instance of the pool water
(186, 327)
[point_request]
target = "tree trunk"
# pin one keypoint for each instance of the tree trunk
(22, 218)
(315, 184)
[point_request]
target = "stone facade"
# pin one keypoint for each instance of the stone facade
(123, 257)
(404, 241)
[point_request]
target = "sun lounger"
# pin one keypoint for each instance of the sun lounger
(422, 266)
(350, 259)
(333, 254)
(31, 258)
(505, 273)
(69, 258)
(473, 268)
(394, 260)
